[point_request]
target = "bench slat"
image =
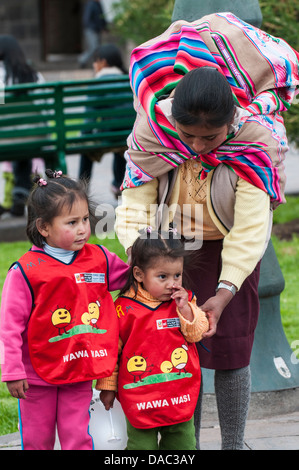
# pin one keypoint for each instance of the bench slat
(64, 118)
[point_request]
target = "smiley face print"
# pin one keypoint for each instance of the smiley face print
(178, 360)
(61, 318)
(91, 317)
(137, 366)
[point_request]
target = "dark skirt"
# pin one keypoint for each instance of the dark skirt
(231, 346)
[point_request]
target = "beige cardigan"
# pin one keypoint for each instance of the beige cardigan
(244, 241)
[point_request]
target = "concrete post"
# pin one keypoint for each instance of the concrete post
(191, 10)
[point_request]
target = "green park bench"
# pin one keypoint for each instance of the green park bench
(52, 120)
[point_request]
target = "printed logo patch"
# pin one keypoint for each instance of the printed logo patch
(168, 323)
(98, 278)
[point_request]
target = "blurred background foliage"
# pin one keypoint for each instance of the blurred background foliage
(139, 20)
(281, 18)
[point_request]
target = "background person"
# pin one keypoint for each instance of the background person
(94, 23)
(14, 70)
(107, 62)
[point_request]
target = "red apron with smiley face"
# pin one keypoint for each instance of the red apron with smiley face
(159, 373)
(73, 328)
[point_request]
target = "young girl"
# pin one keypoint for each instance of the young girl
(159, 372)
(58, 327)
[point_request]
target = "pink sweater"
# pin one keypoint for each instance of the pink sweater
(16, 306)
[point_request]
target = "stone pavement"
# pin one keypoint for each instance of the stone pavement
(279, 432)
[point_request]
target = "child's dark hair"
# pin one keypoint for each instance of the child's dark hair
(17, 69)
(203, 96)
(148, 247)
(47, 199)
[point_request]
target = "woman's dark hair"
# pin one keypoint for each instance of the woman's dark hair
(47, 199)
(148, 247)
(111, 54)
(16, 67)
(203, 96)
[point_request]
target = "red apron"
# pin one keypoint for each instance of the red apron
(73, 330)
(159, 372)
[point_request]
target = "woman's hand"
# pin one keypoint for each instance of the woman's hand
(18, 388)
(214, 307)
(107, 397)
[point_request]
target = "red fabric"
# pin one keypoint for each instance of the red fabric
(73, 329)
(159, 372)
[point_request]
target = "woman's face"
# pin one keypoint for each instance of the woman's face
(202, 139)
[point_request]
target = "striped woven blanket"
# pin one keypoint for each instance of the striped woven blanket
(263, 74)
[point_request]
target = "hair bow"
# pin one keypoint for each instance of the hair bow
(42, 182)
(57, 174)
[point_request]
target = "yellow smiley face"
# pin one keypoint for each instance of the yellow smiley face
(179, 357)
(94, 310)
(61, 315)
(92, 315)
(136, 364)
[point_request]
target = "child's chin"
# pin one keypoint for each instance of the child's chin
(165, 298)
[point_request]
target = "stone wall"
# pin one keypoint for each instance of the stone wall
(22, 20)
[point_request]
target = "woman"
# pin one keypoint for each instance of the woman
(14, 70)
(209, 133)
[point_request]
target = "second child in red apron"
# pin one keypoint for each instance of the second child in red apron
(158, 372)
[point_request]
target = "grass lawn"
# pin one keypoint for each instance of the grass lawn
(287, 254)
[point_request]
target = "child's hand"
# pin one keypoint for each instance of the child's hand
(18, 388)
(180, 295)
(107, 397)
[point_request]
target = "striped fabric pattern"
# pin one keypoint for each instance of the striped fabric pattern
(159, 64)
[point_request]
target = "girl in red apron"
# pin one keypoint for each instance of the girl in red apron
(159, 372)
(59, 330)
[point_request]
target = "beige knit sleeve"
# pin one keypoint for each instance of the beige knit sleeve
(193, 331)
(110, 383)
(244, 245)
(138, 210)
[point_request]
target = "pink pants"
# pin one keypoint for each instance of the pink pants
(64, 406)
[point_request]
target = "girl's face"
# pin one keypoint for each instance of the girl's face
(202, 139)
(161, 279)
(69, 230)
